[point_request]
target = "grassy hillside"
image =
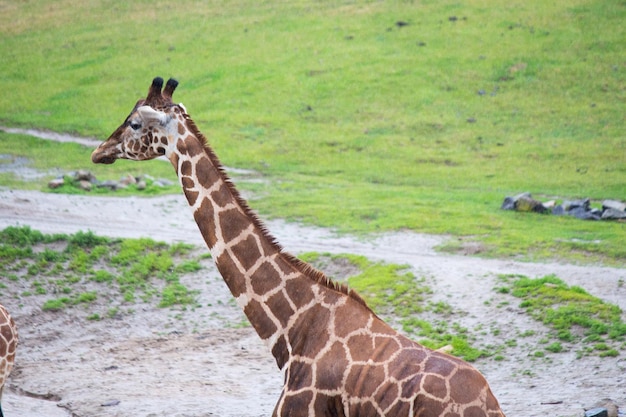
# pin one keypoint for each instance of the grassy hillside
(365, 116)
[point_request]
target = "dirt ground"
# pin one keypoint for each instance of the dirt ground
(162, 362)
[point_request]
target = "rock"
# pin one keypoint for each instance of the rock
(585, 214)
(127, 180)
(84, 175)
(613, 214)
(615, 205)
(165, 182)
(141, 185)
(523, 202)
(597, 412)
(110, 403)
(84, 185)
(606, 404)
(56, 183)
(573, 204)
(111, 185)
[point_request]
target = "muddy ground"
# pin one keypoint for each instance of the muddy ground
(168, 362)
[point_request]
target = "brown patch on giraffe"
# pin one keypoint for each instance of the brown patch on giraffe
(381, 328)
(185, 169)
(361, 347)
(206, 173)
(222, 196)
(315, 323)
(440, 364)
(326, 405)
(187, 183)
(284, 266)
(190, 148)
(259, 319)
(300, 375)
(400, 408)
(406, 363)
(363, 380)
(344, 327)
(385, 344)
(331, 367)
(204, 219)
(410, 386)
(464, 387)
(226, 266)
(429, 407)
(280, 352)
(251, 249)
(192, 196)
(435, 386)
(280, 307)
(265, 279)
(367, 409)
(473, 411)
(181, 129)
(297, 401)
(232, 222)
(388, 396)
(299, 294)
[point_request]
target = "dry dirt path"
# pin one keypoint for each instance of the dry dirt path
(194, 363)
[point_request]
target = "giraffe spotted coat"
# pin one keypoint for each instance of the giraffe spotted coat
(337, 356)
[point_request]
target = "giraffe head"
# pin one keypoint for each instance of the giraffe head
(149, 129)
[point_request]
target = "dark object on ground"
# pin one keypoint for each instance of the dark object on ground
(581, 209)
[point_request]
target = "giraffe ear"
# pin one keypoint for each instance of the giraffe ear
(148, 114)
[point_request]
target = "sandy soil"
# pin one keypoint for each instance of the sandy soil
(156, 362)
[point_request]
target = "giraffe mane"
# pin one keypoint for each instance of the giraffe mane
(304, 267)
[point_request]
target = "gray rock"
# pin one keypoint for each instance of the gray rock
(597, 412)
(56, 183)
(613, 214)
(110, 184)
(84, 175)
(615, 205)
(84, 185)
(523, 202)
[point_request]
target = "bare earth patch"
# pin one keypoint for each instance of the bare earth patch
(165, 362)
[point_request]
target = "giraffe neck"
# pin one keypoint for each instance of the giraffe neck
(261, 277)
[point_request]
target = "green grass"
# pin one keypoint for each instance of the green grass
(49, 265)
(426, 126)
(573, 315)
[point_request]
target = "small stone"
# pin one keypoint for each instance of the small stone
(584, 214)
(597, 412)
(84, 185)
(85, 175)
(612, 214)
(56, 183)
(141, 185)
(612, 204)
(110, 403)
(127, 180)
(111, 185)
(165, 182)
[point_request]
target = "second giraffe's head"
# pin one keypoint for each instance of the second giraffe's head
(148, 130)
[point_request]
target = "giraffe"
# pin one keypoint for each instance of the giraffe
(338, 358)
(8, 345)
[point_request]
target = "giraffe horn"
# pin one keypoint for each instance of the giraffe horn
(154, 94)
(169, 88)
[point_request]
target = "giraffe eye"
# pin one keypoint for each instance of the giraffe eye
(135, 125)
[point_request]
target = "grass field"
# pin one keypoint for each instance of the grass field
(364, 116)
